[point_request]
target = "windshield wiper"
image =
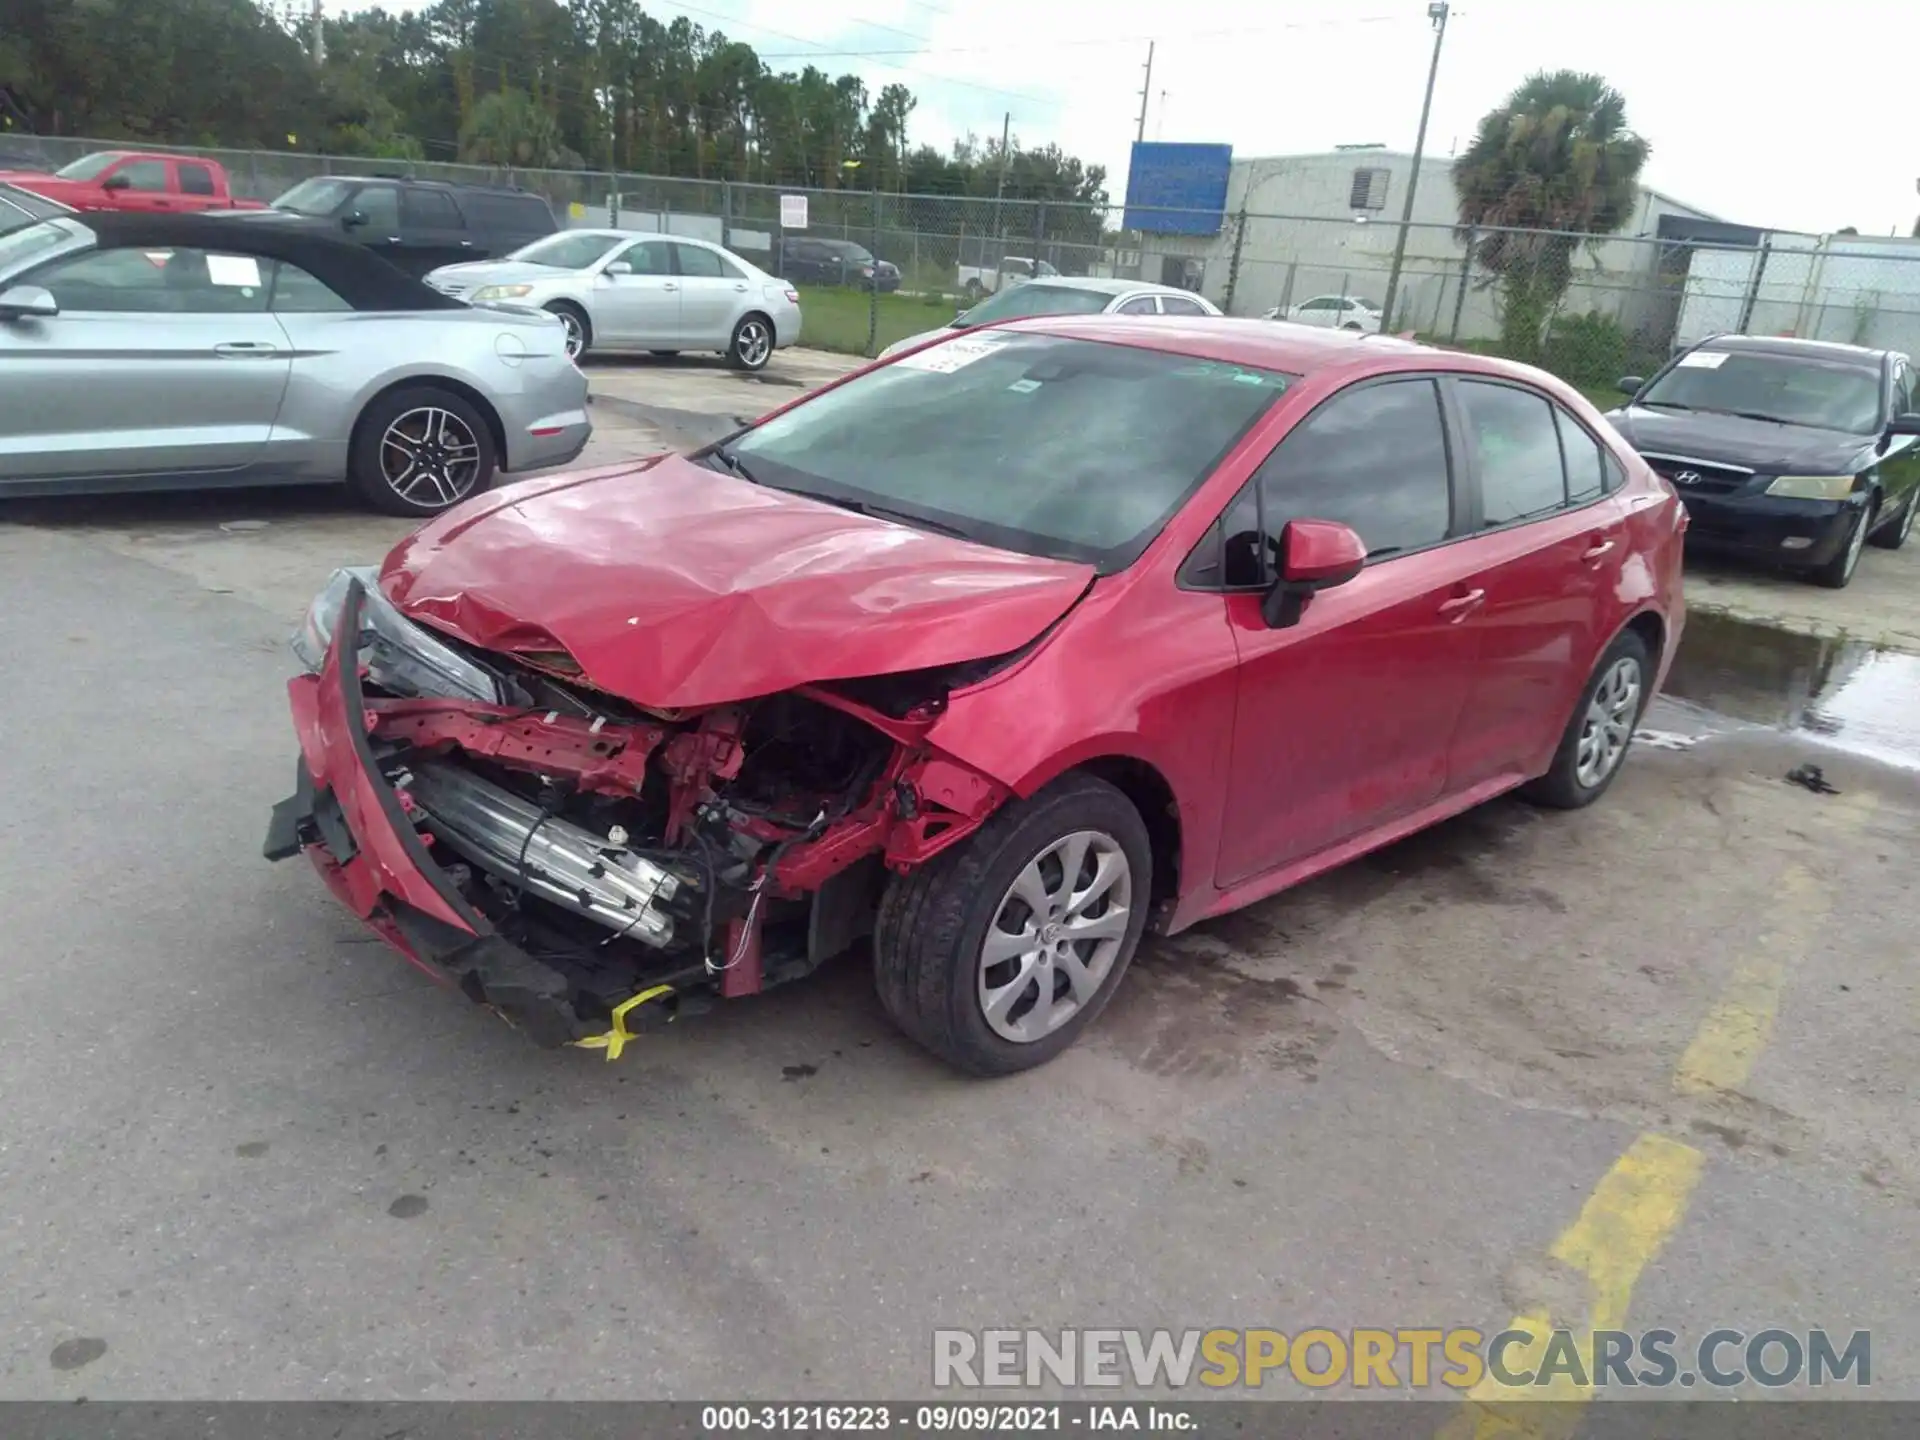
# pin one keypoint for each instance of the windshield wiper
(1665, 405)
(881, 512)
(732, 464)
(1756, 415)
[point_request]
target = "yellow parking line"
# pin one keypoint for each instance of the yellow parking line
(1640, 1201)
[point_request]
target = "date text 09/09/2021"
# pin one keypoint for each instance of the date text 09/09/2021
(941, 1418)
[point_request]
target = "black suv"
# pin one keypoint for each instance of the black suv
(1797, 452)
(419, 225)
(811, 261)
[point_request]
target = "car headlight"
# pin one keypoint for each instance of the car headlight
(1812, 487)
(401, 657)
(502, 292)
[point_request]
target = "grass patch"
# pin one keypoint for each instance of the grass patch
(836, 319)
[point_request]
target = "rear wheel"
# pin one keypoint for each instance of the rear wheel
(421, 450)
(579, 328)
(1596, 738)
(1895, 533)
(974, 292)
(999, 953)
(752, 344)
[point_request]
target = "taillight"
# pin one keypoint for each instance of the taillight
(793, 295)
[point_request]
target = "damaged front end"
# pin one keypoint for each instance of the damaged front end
(575, 861)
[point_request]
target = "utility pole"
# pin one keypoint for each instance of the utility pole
(1000, 190)
(1437, 13)
(1146, 89)
(319, 36)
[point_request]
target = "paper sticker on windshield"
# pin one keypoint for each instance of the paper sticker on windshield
(1024, 387)
(945, 358)
(1704, 360)
(241, 270)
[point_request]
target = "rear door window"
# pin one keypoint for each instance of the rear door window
(195, 179)
(1518, 447)
(698, 262)
(429, 210)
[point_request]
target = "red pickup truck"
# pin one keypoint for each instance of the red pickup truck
(136, 180)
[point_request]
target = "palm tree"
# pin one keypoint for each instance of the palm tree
(509, 128)
(1551, 167)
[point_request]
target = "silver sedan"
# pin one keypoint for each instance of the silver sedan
(615, 290)
(1068, 295)
(146, 352)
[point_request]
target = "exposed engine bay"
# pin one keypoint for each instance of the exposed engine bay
(634, 851)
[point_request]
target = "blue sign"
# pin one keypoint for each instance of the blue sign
(1177, 189)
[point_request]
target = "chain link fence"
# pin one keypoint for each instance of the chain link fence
(874, 267)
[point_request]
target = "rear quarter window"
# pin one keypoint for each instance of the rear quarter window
(518, 214)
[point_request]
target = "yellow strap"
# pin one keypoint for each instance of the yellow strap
(615, 1040)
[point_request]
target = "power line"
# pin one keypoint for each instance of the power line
(1232, 32)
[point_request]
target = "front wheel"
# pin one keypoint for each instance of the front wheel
(1596, 739)
(752, 344)
(1895, 535)
(998, 954)
(1837, 573)
(421, 450)
(579, 330)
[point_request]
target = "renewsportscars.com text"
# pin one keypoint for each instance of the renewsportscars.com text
(1397, 1359)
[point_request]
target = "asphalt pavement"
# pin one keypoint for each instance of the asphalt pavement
(250, 1154)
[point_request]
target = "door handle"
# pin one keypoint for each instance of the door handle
(669, 286)
(1598, 549)
(741, 288)
(245, 348)
(1460, 606)
(466, 244)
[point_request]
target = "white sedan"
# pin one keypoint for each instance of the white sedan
(1069, 295)
(615, 290)
(1339, 312)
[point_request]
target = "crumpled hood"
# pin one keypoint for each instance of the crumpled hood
(676, 587)
(1759, 445)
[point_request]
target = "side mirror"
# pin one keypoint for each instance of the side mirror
(1907, 424)
(620, 267)
(1315, 555)
(116, 182)
(353, 219)
(1630, 384)
(28, 302)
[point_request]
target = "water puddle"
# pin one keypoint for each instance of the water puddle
(1736, 674)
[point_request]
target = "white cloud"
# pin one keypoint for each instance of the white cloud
(1766, 115)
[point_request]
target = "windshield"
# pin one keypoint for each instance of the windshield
(1033, 298)
(1026, 442)
(315, 197)
(1793, 389)
(20, 247)
(87, 167)
(568, 252)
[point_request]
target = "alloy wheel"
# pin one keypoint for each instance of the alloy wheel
(576, 333)
(429, 456)
(753, 344)
(1857, 542)
(1055, 936)
(1610, 718)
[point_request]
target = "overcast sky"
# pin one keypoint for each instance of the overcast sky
(1791, 117)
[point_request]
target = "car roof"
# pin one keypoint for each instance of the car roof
(1106, 285)
(353, 272)
(1831, 350)
(461, 185)
(1290, 349)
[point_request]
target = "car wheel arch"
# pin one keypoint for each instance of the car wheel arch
(1651, 627)
(469, 393)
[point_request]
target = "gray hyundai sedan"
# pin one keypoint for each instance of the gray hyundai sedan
(144, 352)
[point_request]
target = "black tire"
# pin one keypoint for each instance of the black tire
(1893, 535)
(579, 327)
(752, 343)
(974, 291)
(1561, 788)
(369, 481)
(1838, 572)
(933, 924)
(1352, 325)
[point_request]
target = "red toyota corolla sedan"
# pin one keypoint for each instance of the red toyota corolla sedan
(999, 654)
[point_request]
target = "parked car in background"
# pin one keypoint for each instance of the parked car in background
(1069, 295)
(21, 208)
(978, 280)
(136, 180)
(1002, 653)
(809, 260)
(1795, 452)
(148, 352)
(418, 225)
(1339, 312)
(615, 290)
